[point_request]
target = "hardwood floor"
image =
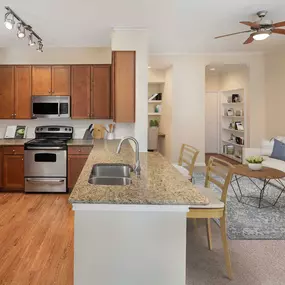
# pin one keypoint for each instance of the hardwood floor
(207, 156)
(36, 238)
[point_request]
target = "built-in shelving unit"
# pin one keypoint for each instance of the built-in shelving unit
(232, 140)
(154, 114)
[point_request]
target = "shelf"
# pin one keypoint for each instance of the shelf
(233, 117)
(233, 90)
(232, 104)
(233, 143)
(158, 82)
(233, 130)
(233, 157)
(154, 114)
(155, 101)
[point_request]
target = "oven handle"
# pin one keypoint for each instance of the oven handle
(58, 109)
(45, 181)
(43, 148)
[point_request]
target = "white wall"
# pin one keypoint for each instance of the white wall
(124, 39)
(189, 95)
(166, 116)
(92, 55)
(275, 94)
(212, 81)
(156, 75)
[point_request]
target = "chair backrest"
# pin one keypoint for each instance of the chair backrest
(220, 173)
(188, 156)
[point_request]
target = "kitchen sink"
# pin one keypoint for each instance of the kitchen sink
(111, 174)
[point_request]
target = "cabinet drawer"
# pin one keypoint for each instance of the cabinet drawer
(13, 150)
(79, 149)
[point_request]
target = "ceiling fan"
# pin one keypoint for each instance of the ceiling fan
(260, 30)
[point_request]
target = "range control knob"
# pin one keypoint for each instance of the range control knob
(41, 129)
(70, 129)
(65, 129)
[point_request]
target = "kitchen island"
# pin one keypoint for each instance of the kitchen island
(134, 234)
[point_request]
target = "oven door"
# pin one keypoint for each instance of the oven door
(45, 185)
(45, 163)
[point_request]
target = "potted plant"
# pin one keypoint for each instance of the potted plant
(255, 162)
(153, 134)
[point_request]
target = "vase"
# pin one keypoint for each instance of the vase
(255, 166)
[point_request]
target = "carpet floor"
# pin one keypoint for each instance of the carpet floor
(245, 222)
(254, 262)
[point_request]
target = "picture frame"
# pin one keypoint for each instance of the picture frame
(235, 98)
(230, 112)
(239, 126)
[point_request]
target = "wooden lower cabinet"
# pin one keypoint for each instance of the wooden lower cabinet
(1, 167)
(13, 172)
(75, 166)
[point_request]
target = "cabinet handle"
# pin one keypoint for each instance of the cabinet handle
(22, 159)
(15, 115)
(12, 116)
(49, 91)
(79, 150)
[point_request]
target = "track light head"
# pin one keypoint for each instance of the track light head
(31, 41)
(21, 31)
(40, 46)
(9, 21)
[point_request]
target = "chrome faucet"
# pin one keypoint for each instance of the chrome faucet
(137, 167)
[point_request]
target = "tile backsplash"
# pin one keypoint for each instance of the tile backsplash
(79, 126)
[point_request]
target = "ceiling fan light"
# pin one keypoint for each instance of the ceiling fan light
(260, 36)
(40, 46)
(9, 22)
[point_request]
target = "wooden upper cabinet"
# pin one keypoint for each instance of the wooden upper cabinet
(80, 91)
(124, 63)
(6, 92)
(61, 80)
(41, 80)
(23, 92)
(101, 92)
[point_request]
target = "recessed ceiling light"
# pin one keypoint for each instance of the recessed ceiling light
(9, 21)
(212, 68)
(149, 66)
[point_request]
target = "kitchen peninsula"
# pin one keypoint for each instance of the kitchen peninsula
(134, 234)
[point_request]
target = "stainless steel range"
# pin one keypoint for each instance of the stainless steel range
(46, 159)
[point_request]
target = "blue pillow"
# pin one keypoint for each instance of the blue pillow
(278, 150)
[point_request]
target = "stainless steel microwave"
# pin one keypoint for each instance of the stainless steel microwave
(51, 106)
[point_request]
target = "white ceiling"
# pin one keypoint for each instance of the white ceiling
(175, 26)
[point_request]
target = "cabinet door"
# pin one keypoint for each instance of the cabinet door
(6, 92)
(124, 86)
(41, 80)
(61, 80)
(1, 167)
(101, 92)
(75, 166)
(80, 91)
(23, 92)
(13, 172)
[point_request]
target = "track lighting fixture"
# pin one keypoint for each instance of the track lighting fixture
(9, 21)
(22, 29)
(31, 40)
(40, 46)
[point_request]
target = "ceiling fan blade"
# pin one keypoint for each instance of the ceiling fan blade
(233, 34)
(279, 24)
(249, 40)
(278, 31)
(251, 24)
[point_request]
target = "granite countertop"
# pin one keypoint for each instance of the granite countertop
(159, 184)
(76, 142)
(6, 142)
(80, 142)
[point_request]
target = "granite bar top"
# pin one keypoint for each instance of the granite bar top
(159, 184)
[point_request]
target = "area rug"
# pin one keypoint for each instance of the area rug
(246, 222)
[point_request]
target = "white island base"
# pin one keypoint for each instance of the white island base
(129, 244)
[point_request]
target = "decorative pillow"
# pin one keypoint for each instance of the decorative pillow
(267, 147)
(278, 150)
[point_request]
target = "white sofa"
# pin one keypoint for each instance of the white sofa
(265, 151)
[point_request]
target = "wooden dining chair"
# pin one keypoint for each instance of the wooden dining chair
(186, 161)
(218, 172)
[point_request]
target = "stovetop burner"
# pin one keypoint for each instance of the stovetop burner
(45, 142)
